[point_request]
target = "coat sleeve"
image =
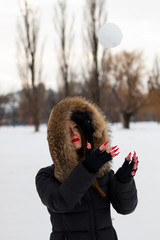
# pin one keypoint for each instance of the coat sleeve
(63, 197)
(123, 196)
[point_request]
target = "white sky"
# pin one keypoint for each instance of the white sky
(138, 20)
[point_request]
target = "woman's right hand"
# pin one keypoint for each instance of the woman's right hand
(94, 160)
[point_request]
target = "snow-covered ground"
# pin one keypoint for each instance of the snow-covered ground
(23, 153)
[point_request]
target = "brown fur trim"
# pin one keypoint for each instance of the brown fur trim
(61, 149)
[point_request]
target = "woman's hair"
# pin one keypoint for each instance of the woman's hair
(83, 120)
(86, 131)
(81, 151)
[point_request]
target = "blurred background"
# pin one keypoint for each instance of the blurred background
(49, 50)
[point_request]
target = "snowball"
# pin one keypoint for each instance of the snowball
(109, 35)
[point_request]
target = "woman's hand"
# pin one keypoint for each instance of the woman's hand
(94, 160)
(111, 150)
(128, 169)
(135, 161)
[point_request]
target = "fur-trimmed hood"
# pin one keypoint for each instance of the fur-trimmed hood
(61, 149)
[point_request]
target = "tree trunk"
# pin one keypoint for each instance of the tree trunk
(125, 119)
(34, 107)
(97, 92)
(66, 81)
(36, 127)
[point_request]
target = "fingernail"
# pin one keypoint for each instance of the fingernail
(117, 153)
(133, 173)
(114, 147)
(130, 153)
(116, 150)
(134, 153)
(87, 143)
(105, 143)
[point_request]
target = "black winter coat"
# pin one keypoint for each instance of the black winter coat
(77, 211)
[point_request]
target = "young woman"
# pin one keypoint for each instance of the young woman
(79, 187)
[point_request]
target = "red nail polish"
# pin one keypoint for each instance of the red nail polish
(114, 147)
(87, 143)
(116, 150)
(130, 153)
(117, 153)
(105, 143)
(133, 173)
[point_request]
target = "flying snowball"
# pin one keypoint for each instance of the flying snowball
(109, 35)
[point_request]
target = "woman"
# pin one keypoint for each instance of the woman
(80, 186)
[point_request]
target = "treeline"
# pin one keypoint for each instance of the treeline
(124, 100)
(120, 84)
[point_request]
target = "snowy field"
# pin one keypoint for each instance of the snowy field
(23, 153)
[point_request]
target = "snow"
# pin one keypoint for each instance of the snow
(23, 152)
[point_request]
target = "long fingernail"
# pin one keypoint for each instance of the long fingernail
(116, 150)
(114, 147)
(130, 153)
(87, 143)
(105, 143)
(117, 153)
(134, 153)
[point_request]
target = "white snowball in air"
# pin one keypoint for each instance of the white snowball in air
(109, 35)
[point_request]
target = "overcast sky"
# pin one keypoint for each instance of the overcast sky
(139, 21)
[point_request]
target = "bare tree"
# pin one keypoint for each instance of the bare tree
(3, 100)
(127, 75)
(24, 109)
(30, 60)
(95, 17)
(154, 90)
(105, 70)
(65, 35)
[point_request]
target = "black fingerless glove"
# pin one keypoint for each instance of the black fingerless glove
(124, 173)
(95, 160)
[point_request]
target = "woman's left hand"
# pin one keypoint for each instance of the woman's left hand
(135, 162)
(128, 169)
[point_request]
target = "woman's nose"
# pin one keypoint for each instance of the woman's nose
(73, 132)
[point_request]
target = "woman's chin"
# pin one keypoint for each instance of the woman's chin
(77, 146)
